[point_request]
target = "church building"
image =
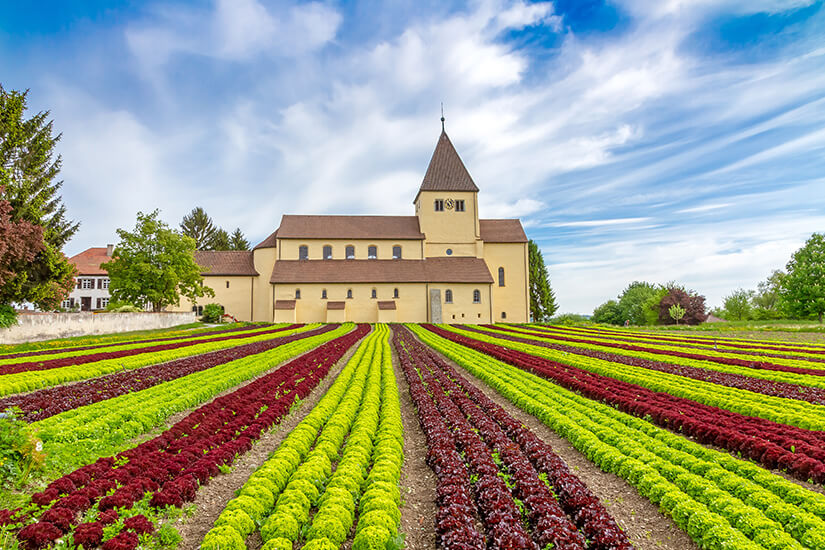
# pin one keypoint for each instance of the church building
(441, 265)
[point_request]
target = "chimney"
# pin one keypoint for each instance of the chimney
(109, 249)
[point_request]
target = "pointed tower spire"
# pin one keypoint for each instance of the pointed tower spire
(446, 171)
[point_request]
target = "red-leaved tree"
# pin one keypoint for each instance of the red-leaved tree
(20, 242)
(693, 303)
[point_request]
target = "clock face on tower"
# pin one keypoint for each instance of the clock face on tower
(449, 203)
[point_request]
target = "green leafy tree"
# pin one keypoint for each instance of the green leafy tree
(237, 241)
(634, 299)
(220, 241)
(676, 312)
(767, 301)
(154, 265)
(738, 304)
(28, 172)
(652, 306)
(198, 225)
(803, 287)
(542, 299)
(608, 313)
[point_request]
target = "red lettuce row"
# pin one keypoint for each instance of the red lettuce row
(55, 400)
(724, 341)
(698, 356)
(92, 357)
(519, 450)
(173, 465)
(801, 452)
(626, 338)
(193, 334)
(731, 380)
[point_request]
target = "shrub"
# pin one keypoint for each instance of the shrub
(212, 313)
(20, 451)
(8, 317)
(120, 306)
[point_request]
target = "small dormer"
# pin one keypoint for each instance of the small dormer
(447, 201)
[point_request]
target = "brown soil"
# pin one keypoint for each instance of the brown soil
(647, 528)
(417, 479)
(212, 498)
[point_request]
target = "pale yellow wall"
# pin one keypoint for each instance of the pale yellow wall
(513, 297)
(387, 316)
(236, 300)
(263, 303)
(411, 303)
(285, 316)
(448, 226)
(336, 316)
(462, 309)
(433, 250)
(410, 249)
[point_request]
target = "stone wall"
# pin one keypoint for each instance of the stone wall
(45, 326)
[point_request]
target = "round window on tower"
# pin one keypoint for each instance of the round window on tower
(449, 252)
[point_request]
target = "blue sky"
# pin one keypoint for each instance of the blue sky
(668, 140)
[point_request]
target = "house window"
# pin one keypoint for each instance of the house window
(88, 284)
(396, 252)
(297, 293)
(303, 252)
(374, 294)
(104, 303)
(372, 252)
(227, 284)
(99, 284)
(501, 276)
(349, 293)
(395, 293)
(350, 252)
(324, 294)
(476, 296)
(105, 283)
(327, 252)
(503, 314)
(459, 206)
(439, 205)
(448, 296)
(66, 304)
(97, 304)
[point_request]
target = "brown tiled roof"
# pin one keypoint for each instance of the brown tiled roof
(349, 227)
(502, 231)
(433, 270)
(284, 304)
(88, 262)
(225, 262)
(446, 172)
(269, 242)
(336, 305)
(388, 304)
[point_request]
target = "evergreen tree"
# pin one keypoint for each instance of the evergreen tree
(198, 225)
(220, 241)
(237, 241)
(28, 172)
(542, 299)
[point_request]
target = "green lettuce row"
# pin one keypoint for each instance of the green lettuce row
(740, 354)
(88, 431)
(777, 409)
(33, 380)
(257, 498)
(707, 493)
(708, 345)
(134, 345)
(379, 515)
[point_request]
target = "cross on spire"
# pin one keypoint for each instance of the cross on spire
(442, 116)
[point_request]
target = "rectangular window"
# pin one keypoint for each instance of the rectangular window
(98, 304)
(99, 284)
(459, 206)
(88, 284)
(503, 314)
(439, 205)
(66, 304)
(104, 303)
(227, 284)
(105, 283)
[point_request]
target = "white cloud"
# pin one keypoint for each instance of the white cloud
(599, 223)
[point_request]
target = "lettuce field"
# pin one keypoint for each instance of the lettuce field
(383, 437)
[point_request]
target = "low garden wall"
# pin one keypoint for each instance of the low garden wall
(44, 326)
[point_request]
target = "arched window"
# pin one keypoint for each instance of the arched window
(324, 294)
(448, 296)
(501, 276)
(349, 293)
(350, 252)
(297, 293)
(303, 252)
(395, 293)
(476, 296)
(503, 314)
(372, 252)
(396, 252)
(374, 293)
(327, 252)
